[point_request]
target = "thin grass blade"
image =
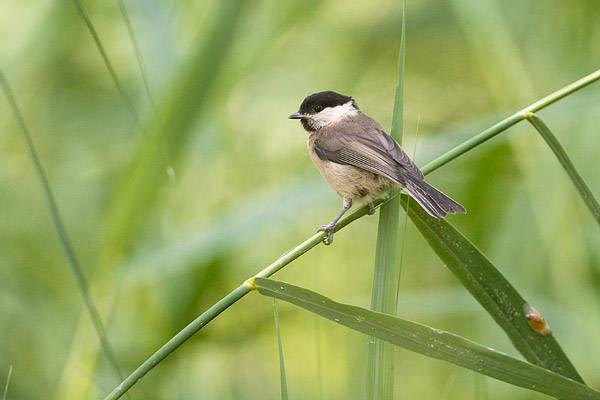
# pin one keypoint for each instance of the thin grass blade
(489, 287)
(61, 230)
(7, 382)
(431, 342)
(565, 161)
(283, 381)
(113, 74)
(138, 54)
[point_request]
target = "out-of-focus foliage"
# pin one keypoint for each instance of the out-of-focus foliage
(157, 251)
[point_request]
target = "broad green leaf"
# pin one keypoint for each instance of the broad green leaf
(430, 342)
(500, 299)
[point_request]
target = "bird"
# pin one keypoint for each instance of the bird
(359, 160)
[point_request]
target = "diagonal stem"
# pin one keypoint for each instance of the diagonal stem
(508, 122)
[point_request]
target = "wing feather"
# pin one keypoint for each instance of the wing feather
(365, 145)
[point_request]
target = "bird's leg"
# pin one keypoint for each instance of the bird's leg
(331, 226)
(371, 209)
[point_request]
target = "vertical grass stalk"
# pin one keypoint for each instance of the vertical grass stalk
(386, 275)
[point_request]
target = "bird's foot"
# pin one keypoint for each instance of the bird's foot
(327, 228)
(371, 209)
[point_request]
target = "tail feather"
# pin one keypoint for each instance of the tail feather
(436, 203)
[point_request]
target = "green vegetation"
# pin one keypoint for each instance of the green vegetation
(170, 175)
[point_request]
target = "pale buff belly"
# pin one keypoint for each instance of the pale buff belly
(351, 182)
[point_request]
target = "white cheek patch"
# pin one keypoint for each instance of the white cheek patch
(331, 114)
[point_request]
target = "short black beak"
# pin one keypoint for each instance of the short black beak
(297, 115)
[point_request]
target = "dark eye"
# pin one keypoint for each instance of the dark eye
(318, 108)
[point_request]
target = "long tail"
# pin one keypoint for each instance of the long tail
(436, 203)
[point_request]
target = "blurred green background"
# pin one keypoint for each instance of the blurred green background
(158, 250)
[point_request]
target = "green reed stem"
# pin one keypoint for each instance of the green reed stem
(508, 122)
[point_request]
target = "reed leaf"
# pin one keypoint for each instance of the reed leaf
(430, 342)
(491, 289)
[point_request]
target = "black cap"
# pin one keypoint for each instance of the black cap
(324, 100)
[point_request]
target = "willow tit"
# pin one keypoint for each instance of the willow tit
(359, 160)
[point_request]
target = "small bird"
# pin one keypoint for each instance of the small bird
(359, 160)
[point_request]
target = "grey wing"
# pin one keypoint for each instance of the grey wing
(398, 154)
(372, 150)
